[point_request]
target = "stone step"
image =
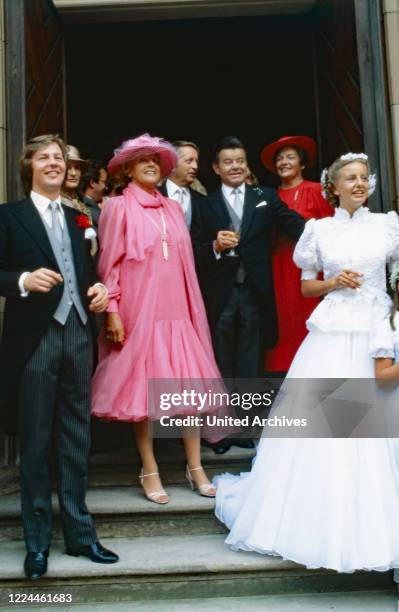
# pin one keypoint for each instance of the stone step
(170, 568)
(360, 601)
(120, 467)
(125, 512)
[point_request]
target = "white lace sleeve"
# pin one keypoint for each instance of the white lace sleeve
(381, 340)
(305, 254)
(393, 239)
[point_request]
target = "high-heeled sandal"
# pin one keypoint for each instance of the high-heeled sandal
(206, 489)
(154, 496)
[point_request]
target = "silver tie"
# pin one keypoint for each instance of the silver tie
(180, 197)
(55, 220)
(237, 202)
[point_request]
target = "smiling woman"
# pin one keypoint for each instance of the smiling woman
(348, 181)
(146, 172)
(288, 157)
(333, 502)
(145, 258)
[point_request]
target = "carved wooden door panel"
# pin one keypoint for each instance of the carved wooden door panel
(350, 85)
(337, 79)
(35, 78)
(35, 105)
(44, 69)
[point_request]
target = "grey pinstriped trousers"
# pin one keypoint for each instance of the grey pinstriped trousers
(54, 396)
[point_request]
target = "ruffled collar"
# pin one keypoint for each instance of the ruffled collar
(343, 215)
(143, 197)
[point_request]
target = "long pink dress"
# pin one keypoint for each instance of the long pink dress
(159, 302)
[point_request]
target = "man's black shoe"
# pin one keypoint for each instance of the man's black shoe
(219, 447)
(35, 564)
(96, 552)
(243, 442)
(224, 445)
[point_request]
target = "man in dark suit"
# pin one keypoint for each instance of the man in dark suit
(45, 353)
(232, 241)
(178, 185)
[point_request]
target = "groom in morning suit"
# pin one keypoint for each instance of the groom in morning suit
(238, 286)
(45, 353)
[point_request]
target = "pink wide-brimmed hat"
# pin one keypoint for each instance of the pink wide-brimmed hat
(305, 143)
(144, 145)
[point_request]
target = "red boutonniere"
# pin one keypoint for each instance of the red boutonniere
(83, 221)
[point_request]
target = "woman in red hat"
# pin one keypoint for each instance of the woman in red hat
(288, 157)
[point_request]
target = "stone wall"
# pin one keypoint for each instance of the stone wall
(2, 107)
(391, 23)
(3, 150)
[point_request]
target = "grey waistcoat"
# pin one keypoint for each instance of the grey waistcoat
(71, 294)
(236, 221)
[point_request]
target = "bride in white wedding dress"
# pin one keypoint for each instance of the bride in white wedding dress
(331, 502)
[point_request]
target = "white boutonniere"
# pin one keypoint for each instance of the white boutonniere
(263, 203)
(90, 233)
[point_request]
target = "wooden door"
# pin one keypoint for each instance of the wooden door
(35, 74)
(337, 79)
(35, 105)
(44, 69)
(350, 88)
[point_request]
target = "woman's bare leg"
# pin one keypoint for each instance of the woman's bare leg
(192, 447)
(145, 447)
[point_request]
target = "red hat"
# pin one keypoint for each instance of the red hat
(305, 143)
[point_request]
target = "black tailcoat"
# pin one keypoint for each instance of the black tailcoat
(25, 247)
(262, 209)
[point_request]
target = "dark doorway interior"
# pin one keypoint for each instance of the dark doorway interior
(195, 79)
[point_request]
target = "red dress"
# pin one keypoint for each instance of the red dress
(293, 309)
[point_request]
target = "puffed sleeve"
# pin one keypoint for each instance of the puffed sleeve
(112, 240)
(382, 340)
(305, 254)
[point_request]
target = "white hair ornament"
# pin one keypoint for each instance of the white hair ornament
(352, 156)
(324, 183)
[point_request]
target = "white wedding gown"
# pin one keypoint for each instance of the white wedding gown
(331, 503)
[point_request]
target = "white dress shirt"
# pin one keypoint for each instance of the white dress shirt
(179, 194)
(230, 196)
(42, 205)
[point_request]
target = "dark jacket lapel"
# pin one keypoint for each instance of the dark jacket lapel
(220, 208)
(29, 217)
(250, 202)
(162, 189)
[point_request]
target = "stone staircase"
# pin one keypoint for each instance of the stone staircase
(173, 556)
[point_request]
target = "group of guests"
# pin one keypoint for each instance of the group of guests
(186, 283)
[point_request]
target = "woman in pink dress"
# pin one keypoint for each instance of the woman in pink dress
(156, 325)
(288, 156)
